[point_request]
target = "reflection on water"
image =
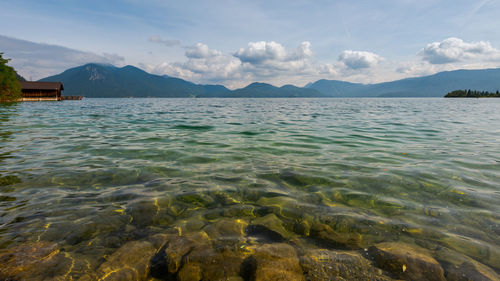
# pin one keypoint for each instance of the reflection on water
(300, 188)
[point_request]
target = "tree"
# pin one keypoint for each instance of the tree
(10, 89)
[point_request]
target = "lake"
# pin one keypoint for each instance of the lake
(246, 189)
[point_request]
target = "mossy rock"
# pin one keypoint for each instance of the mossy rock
(9, 180)
(269, 228)
(169, 259)
(227, 231)
(35, 261)
(459, 267)
(475, 249)
(272, 262)
(143, 213)
(406, 262)
(328, 237)
(129, 262)
(323, 264)
(212, 264)
(239, 211)
(302, 227)
(191, 224)
(281, 205)
(195, 199)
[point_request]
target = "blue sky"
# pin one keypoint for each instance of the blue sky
(238, 42)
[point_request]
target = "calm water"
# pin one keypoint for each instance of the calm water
(92, 175)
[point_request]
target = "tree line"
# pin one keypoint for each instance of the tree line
(472, 94)
(10, 89)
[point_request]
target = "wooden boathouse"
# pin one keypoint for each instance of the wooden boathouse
(41, 91)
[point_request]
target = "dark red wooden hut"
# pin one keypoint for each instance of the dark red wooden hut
(42, 91)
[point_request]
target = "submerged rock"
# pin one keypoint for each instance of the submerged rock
(269, 229)
(239, 211)
(483, 252)
(227, 232)
(212, 264)
(328, 237)
(470, 270)
(35, 261)
(192, 256)
(458, 267)
(281, 205)
(322, 264)
(143, 213)
(129, 262)
(272, 262)
(406, 262)
(169, 259)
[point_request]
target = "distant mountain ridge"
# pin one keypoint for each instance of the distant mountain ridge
(436, 85)
(108, 81)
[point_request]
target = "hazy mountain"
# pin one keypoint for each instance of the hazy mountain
(335, 88)
(436, 85)
(263, 90)
(107, 81)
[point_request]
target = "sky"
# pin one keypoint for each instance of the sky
(234, 43)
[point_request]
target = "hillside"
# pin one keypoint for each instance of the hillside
(107, 81)
(263, 90)
(436, 85)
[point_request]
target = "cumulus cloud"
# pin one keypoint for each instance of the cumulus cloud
(203, 65)
(35, 60)
(359, 59)
(456, 50)
(166, 42)
(200, 51)
(258, 61)
(259, 52)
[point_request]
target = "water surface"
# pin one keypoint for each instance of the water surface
(92, 175)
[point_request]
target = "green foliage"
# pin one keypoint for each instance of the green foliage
(472, 94)
(10, 89)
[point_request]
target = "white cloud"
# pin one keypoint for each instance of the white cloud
(259, 52)
(260, 61)
(203, 65)
(359, 59)
(35, 60)
(200, 51)
(166, 42)
(456, 50)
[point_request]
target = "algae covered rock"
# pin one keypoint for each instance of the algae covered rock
(328, 237)
(406, 262)
(227, 231)
(487, 254)
(459, 267)
(322, 264)
(35, 261)
(169, 258)
(272, 262)
(470, 270)
(129, 262)
(212, 264)
(269, 229)
(143, 213)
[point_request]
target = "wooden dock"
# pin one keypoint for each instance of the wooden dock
(71, 97)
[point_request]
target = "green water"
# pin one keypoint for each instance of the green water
(92, 175)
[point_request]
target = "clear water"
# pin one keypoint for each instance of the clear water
(83, 173)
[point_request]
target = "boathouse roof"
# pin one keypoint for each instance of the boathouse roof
(28, 85)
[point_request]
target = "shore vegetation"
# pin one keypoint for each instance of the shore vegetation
(10, 89)
(472, 94)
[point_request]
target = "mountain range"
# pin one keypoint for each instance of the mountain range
(108, 81)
